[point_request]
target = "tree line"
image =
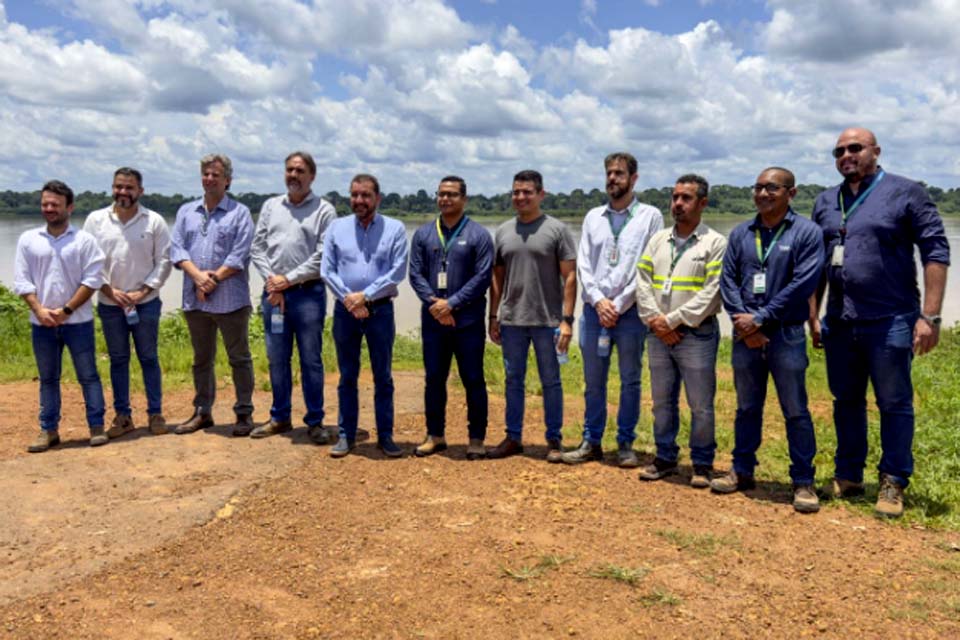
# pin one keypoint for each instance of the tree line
(724, 199)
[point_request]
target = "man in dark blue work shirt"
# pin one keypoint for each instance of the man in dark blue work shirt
(873, 324)
(451, 262)
(770, 272)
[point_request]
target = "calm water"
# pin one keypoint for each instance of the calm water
(407, 305)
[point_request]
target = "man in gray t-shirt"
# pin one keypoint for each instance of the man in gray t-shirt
(531, 300)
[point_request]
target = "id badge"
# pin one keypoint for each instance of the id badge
(760, 282)
(613, 256)
(836, 259)
(667, 286)
(442, 280)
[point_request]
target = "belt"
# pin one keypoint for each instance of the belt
(373, 304)
(306, 284)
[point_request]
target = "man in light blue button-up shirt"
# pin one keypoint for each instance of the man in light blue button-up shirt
(211, 244)
(364, 259)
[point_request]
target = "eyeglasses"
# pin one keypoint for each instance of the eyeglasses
(852, 149)
(770, 187)
(453, 195)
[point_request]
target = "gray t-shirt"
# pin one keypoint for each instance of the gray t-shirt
(531, 254)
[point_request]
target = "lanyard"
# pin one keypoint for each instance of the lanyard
(675, 259)
(445, 244)
(846, 215)
(760, 254)
(616, 233)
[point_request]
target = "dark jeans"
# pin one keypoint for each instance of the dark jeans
(117, 334)
(880, 351)
(348, 335)
(304, 311)
(234, 327)
(440, 345)
(515, 342)
(48, 343)
(785, 359)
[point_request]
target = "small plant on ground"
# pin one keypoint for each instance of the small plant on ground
(620, 574)
(546, 563)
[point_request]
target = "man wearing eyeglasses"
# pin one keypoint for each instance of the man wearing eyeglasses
(611, 240)
(211, 244)
(532, 296)
(287, 250)
(874, 324)
(770, 272)
(451, 262)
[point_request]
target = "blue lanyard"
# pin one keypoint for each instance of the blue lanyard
(445, 244)
(846, 215)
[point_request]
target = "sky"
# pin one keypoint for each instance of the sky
(413, 90)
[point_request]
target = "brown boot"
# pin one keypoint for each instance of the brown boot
(45, 440)
(158, 425)
(122, 425)
(197, 421)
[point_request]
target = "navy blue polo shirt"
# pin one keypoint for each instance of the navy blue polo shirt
(792, 270)
(878, 278)
(469, 269)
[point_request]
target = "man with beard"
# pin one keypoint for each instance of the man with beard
(612, 237)
(451, 261)
(136, 243)
(874, 323)
(770, 271)
(57, 269)
(211, 243)
(364, 259)
(287, 251)
(678, 293)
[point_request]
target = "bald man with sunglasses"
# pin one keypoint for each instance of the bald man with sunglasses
(874, 323)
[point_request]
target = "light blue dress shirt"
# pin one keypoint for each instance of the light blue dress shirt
(371, 260)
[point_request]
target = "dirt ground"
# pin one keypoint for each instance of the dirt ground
(206, 536)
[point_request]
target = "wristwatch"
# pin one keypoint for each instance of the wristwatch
(568, 320)
(933, 320)
(67, 309)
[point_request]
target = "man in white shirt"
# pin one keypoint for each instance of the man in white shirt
(57, 269)
(136, 244)
(611, 240)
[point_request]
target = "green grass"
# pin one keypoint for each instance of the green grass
(617, 573)
(544, 564)
(933, 498)
(660, 597)
(703, 544)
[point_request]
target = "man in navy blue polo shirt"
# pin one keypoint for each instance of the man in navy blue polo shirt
(451, 263)
(770, 273)
(873, 324)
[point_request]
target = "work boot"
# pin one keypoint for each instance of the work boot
(122, 424)
(320, 434)
(658, 469)
(243, 426)
(840, 488)
(430, 446)
(98, 437)
(889, 499)
(702, 475)
(554, 451)
(196, 422)
(157, 424)
(731, 482)
(272, 428)
(476, 450)
(583, 453)
(45, 440)
(805, 499)
(627, 457)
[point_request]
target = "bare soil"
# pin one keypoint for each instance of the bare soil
(207, 536)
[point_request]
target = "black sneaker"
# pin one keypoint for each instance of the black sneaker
(660, 468)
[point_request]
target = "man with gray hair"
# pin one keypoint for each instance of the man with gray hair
(287, 251)
(211, 244)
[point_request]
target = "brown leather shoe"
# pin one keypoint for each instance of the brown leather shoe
(476, 450)
(122, 424)
(272, 428)
(554, 451)
(244, 426)
(197, 421)
(430, 446)
(157, 424)
(507, 447)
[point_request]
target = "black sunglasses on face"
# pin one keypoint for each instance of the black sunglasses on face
(853, 149)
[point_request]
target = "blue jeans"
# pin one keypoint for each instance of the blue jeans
(880, 351)
(628, 337)
(48, 343)
(515, 342)
(785, 359)
(117, 334)
(348, 333)
(693, 362)
(305, 308)
(440, 345)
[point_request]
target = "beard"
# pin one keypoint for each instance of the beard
(616, 192)
(126, 201)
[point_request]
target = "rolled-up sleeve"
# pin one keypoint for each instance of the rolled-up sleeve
(178, 249)
(93, 259)
(161, 257)
(239, 256)
(23, 283)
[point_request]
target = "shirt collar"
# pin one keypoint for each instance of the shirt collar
(70, 230)
(787, 220)
(114, 216)
(223, 205)
(310, 196)
(701, 230)
(611, 210)
(376, 220)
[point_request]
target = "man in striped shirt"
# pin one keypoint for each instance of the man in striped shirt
(678, 294)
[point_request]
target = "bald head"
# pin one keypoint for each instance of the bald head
(860, 133)
(857, 154)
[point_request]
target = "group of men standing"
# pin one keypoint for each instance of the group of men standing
(642, 286)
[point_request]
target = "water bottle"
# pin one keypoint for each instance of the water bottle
(276, 320)
(603, 343)
(132, 316)
(562, 356)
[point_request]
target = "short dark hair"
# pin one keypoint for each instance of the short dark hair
(529, 175)
(59, 188)
(307, 160)
(459, 180)
(627, 158)
(791, 179)
(129, 172)
(703, 187)
(366, 177)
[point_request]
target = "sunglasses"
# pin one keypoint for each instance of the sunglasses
(852, 149)
(770, 187)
